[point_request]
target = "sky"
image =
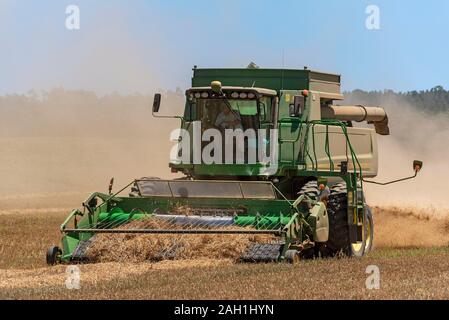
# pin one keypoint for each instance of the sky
(140, 46)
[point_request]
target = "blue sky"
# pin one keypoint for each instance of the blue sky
(139, 46)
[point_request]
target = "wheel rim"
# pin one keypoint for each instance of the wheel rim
(58, 256)
(366, 236)
(369, 239)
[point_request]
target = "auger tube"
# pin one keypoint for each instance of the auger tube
(359, 113)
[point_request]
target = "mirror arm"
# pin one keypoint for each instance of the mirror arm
(155, 114)
(390, 182)
(417, 166)
(175, 117)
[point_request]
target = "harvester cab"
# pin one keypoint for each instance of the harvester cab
(267, 154)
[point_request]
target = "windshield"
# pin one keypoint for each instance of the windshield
(221, 113)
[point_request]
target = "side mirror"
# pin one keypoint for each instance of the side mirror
(417, 165)
(156, 102)
(296, 109)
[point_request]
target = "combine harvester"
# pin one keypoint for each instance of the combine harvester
(297, 176)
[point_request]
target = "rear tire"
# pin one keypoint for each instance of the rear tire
(310, 189)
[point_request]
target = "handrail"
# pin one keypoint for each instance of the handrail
(327, 123)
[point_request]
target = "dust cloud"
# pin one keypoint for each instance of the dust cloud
(414, 134)
(59, 146)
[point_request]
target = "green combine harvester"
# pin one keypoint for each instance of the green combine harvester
(261, 151)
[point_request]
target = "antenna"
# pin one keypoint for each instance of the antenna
(282, 70)
(283, 58)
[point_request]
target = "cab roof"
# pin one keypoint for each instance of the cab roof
(274, 79)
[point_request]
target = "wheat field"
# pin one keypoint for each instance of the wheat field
(410, 270)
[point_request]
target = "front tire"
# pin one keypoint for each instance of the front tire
(337, 208)
(339, 242)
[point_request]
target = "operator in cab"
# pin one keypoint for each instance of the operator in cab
(228, 120)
